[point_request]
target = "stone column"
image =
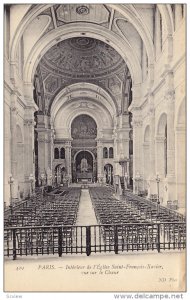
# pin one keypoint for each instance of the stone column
(68, 158)
(137, 149)
(41, 153)
(146, 164)
(160, 164)
(170, 102)
(13, 121)
(180, 166)
(29, 152)
(99, 160)
(44, 145)
(152, 174)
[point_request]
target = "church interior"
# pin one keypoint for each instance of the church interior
(94, 128)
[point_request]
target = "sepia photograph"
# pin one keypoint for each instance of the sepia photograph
(94, 109)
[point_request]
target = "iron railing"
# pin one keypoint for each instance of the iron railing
(117, 238)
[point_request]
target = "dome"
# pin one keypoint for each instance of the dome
(82, 57)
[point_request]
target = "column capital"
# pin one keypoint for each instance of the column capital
(170, 96)
(137, 123)
(14, 109)
(29, 122)
(160, 139)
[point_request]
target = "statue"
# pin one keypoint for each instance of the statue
(84, 165)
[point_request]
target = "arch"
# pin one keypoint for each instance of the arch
(59, 165)
(92, 30)
(78, 92)
(83, 127)
(59, 173)
(105, 152)
(111, 153)
(82, 151)
(162, 121)
(73, 108)
(83, 88)
(62, 153)
(84, 166)
(108, 173)
(131, 14)
(147, 134)
(56, 153)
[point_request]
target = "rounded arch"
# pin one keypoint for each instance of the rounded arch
(83, 126)
(61, 166)
(147, 134)
(80, 90)
(131, 14)
(86, 150)
(108, 173)
(162, 122)
(105, 152)
(72, 109)
(92, 30)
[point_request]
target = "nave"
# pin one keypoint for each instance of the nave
(90, 220)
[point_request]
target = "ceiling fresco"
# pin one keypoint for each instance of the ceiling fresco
(82, 57)
(79, 59)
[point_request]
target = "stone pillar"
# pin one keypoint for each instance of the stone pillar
(170, 102)
(68, 159)
(13, 121)
(99, 160)
(160, 155)
(44, 145)
(170, 136)
(41, 153)
(181, 166)
(146, 164)
(137, 149)
(160, 165)
(152, 175)
(29, 152)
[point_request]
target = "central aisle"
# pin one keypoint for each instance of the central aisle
(86, 215)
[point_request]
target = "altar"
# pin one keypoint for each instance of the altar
(84, 176)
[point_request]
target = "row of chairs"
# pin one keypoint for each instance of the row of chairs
(47, 210)
(151, 211)
(110, 210)
(140, 213)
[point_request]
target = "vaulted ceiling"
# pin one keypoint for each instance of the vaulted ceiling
(80, 59)
(64, 44)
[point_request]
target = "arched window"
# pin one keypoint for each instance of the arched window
(62, 153)
(105, 152)
(111, 152)
(56, 153)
